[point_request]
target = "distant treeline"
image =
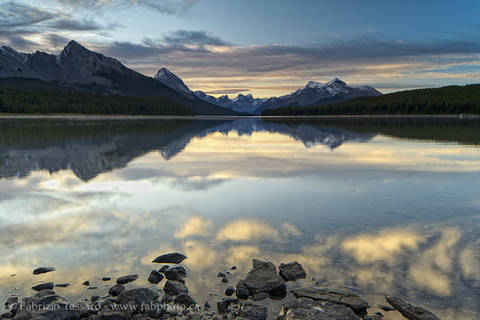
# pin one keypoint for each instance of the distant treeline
(446, 100)
(42, 101)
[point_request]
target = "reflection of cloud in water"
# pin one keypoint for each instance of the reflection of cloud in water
(195, 226)
(247, 230)
(385, 246)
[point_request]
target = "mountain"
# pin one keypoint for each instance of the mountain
(78, 68)
(314, 93)
(242, 103)
(450, 100)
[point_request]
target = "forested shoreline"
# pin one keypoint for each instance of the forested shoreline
(445, 100)
(42, 101)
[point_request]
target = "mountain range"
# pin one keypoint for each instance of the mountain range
(78, 68)
(314, 93)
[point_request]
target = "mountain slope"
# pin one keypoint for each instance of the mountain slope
(316, 93)
(81, 69)
(445, 100)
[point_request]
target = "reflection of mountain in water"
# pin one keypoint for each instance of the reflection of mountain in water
(89, 148)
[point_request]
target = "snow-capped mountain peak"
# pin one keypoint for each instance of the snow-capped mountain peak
(171, 80)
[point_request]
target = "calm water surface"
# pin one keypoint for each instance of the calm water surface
(381, 206)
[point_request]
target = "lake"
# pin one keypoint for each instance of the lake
(383, 206)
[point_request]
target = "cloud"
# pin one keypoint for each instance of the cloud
(162, 6)
(76, 25)
(227, 91)
(13, 14)
(186, 37)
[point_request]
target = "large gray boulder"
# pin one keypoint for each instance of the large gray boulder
(306, 309)
(292, 271)
(263, 279)
(409, 310)
(341, 296)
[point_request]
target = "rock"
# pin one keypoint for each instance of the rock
(410, 311)
(106, 279)
(176, 274)
(342, 296)
(221, 275)
(113, 315)
(127, 279)
(229, 291)
(386, 308)
(116, 290)
(170, 258)
(225, 280)
(254, 311)
(305, 309)
(86, 283)
(376, 316)
(292, 271)
(222, 306)
(92, 288)
(62, 285)
(242, 291)
(175, 288)
(11, 301)
(43, 270)
(137, 297)
(234, 268)
(185, 300)
(264, 278)
(207, 305)
(164, 268)
(155, 277)
(166, 299)
(95, 298)
(43, 286)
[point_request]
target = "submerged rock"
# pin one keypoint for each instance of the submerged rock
(62, 285)
(42, 270)
(306, 309)
(292, 271)
(170, 258)
(342, 296)
(43, 286)
(409, 310)
(127, 279)
(229, 291)
(263, 278)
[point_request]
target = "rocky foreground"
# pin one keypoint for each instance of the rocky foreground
(242, 301)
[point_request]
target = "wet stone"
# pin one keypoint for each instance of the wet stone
(127, 279)
(175, 258)
(292, 271)
(42, 270)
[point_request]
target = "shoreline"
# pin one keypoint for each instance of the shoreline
(220, 117)
(169, 298)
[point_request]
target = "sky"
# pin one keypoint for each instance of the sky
(267, 48)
